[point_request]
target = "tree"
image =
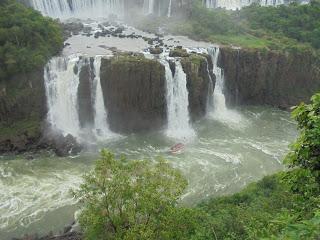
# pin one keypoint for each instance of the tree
(136, 200)
(27, 39)
(304, 155)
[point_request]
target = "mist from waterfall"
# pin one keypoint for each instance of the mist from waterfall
(218, 110)
(177, 103)
(61, 78)
(79, 8)
(148, 6)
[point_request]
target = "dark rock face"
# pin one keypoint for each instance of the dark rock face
(22, 108)
(269, 78)
(196, 68)
(85, 98)
(134, 93)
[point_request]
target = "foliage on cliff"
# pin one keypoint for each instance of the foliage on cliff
(290, 27)
(27, 39)
(299, 22)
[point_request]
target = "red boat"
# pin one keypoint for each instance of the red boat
(177, 148)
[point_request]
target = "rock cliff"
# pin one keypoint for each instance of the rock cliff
(196, 67)
(254, 77)
(134, 93)
(22, 108)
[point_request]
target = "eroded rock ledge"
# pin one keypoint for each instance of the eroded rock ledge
(254, 77)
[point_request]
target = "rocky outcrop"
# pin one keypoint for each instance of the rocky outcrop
(22, 107)
(196, 68)
(254, 77)
(85, 98)
(134, 93)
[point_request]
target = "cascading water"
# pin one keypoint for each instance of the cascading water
(101, 126)
(219, 110)
(177, 103)
(61, 82)
(148, 6)
(79, 8)
(169, 9)
(238, 4)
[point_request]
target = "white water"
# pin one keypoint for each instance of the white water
(219, 110)
(177, 103)
(101, 126)
(61, 83)
(79, 8)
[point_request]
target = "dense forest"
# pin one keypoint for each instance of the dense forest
(27, 39)
(277, 28)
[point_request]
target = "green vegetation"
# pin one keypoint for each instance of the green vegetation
(284, 28)
(139, 199)
(294, 27)
(27, 39)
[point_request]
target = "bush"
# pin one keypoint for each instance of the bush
(137, 200)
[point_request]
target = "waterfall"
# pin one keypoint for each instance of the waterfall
(169, 9)
(148, 7)
(177, 103)
(101, 127)
(238, 4)
(61, 77)
(219, 99)
(218, 110)
(79, 8)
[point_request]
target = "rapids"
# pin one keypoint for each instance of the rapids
(221, 160)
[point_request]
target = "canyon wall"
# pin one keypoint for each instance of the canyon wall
(134, 93)
(22, 108)
(255, 77)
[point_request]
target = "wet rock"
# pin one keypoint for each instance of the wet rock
(66, 146)
(178, 52)
(256, 77)
(156, 50)
(134, 90)
(196, 68)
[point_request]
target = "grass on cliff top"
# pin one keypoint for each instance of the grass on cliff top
(130, 58)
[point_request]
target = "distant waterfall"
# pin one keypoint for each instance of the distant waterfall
(61, 81)
(62, 84)
(177, 103)
(79, 8)
(148, 6)
(238, 4)
(169, 9)
(219, 110)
